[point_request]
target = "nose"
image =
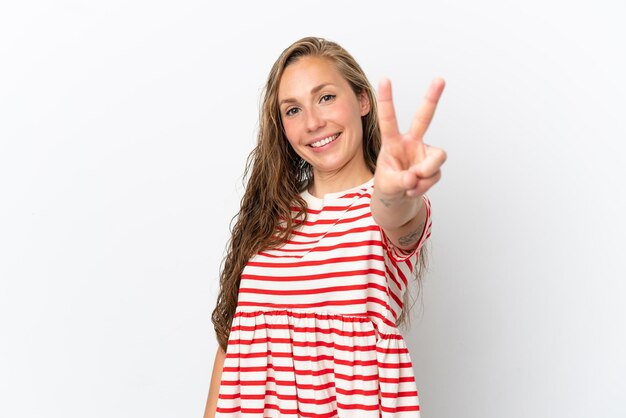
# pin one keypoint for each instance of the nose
(314, 120)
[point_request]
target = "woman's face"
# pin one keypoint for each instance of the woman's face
(321, 115)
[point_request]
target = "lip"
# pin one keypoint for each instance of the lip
(328, 146)
(319, 138)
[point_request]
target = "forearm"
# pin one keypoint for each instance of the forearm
(218, 365)
(401, 217)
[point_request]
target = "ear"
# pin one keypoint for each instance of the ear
(364, 102)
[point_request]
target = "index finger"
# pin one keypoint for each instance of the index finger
(426, 111)
(386, 111)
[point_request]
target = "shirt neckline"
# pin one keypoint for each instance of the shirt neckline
(334, 195)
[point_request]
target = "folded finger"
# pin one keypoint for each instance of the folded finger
(430, 165)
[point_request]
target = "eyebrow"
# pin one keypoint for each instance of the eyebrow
(313, 91)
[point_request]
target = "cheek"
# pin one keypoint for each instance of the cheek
(293, 133)
(290, 133)
(347, 116)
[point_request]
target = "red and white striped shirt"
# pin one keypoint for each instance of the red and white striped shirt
(314, 331)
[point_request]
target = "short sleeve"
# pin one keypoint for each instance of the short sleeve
(398, 254)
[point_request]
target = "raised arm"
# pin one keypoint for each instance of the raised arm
(406, 168)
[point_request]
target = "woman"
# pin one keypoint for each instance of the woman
(331, 227)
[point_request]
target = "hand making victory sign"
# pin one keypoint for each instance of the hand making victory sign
(406, 166)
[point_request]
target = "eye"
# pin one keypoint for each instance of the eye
(289, 111)
(330, 97)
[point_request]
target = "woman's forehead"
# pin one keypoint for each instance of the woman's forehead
(306, 76)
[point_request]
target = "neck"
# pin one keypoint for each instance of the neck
(336, 181)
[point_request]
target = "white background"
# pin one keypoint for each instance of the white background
(124, 129)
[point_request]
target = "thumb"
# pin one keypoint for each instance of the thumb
(409, 180)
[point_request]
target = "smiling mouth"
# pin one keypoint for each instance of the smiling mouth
(324, 141)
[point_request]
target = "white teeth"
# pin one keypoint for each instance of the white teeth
(324, 141)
